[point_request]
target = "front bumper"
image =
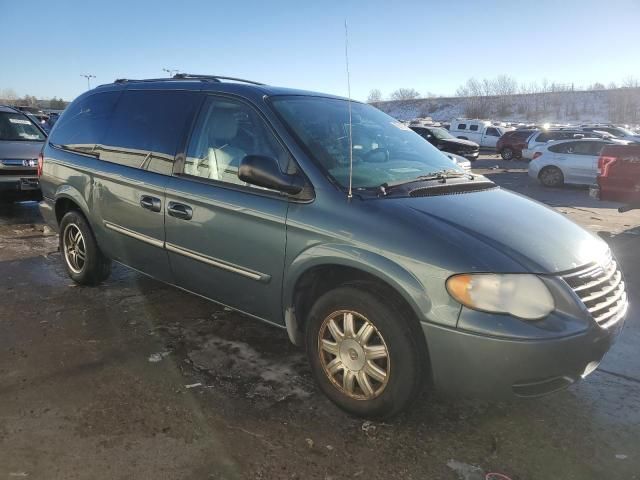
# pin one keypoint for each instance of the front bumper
(470, 155)
(469, 364)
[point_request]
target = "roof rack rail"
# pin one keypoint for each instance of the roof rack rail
(215, 78)
(188, 76)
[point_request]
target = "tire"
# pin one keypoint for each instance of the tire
(394, 381)
(507, 153)
(551, 177)
(84, 261)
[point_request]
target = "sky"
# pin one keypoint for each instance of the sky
(432, 46)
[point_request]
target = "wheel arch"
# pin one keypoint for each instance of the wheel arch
(550, 167)
(321, 268)
(68, 198)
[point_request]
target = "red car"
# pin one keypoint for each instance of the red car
(510, 144)
(619, 173)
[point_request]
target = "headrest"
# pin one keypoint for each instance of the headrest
(223, 125)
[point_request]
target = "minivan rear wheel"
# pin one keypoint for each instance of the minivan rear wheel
(84, 261)
(551, 177)
(363, 354)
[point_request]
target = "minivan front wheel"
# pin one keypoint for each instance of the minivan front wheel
(363, 354)
(84, 261)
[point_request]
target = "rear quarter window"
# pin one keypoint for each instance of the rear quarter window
(84, 122)
(462, 126)
(473, 128)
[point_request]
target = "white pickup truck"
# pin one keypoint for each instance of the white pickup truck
(483, 132)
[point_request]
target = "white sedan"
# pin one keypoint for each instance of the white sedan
(568, 161)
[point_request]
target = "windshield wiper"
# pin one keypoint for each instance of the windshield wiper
(441, 175)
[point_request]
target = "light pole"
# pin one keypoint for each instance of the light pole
(88, 76)
(171, 71)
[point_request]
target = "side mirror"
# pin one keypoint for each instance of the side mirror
(264, 171)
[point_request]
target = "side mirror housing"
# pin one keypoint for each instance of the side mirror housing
(264, 171)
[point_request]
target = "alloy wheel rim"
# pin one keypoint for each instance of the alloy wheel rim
(75, 251)
(354, 355)
(551, 177)
(508, 154)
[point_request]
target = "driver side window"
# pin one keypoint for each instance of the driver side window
(227, 130)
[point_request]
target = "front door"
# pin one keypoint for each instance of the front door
(491, 136)
(226, 239)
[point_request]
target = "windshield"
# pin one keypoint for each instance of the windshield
(16, 127)
(384, 150)
(440, 133)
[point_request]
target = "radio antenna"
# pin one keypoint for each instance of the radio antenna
(346, 57)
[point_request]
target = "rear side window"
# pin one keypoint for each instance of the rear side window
(542, 137)
(473, 128)
(562, 147)
(147, 127)
(84, 122)
(462, 126)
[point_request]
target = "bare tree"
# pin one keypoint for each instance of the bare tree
(8, 95)
(476, 93)
(504, 87)
(630, 82)
(375, 96)
(404, 94)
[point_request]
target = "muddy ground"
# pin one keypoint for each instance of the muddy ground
(136, 379)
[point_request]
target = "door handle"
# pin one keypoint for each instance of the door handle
(150, 203)
(179, 210)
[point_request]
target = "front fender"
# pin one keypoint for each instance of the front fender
(390, 272)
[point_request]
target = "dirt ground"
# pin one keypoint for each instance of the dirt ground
(138, 380)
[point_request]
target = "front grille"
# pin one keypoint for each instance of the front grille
(601, 289)
(19, 172)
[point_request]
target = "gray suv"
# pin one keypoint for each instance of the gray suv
(21, 140)
(392, 266)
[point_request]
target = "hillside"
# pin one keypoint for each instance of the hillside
(621, 105)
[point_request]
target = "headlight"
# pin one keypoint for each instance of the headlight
(521, 295)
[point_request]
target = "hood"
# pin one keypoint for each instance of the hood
(20, 149)
(487, 226)
(458, 142)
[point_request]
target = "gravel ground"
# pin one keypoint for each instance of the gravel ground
(136, 379)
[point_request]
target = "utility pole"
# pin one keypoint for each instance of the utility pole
(171, 71)
(88, 76)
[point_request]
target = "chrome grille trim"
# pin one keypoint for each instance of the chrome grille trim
(601, 289)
